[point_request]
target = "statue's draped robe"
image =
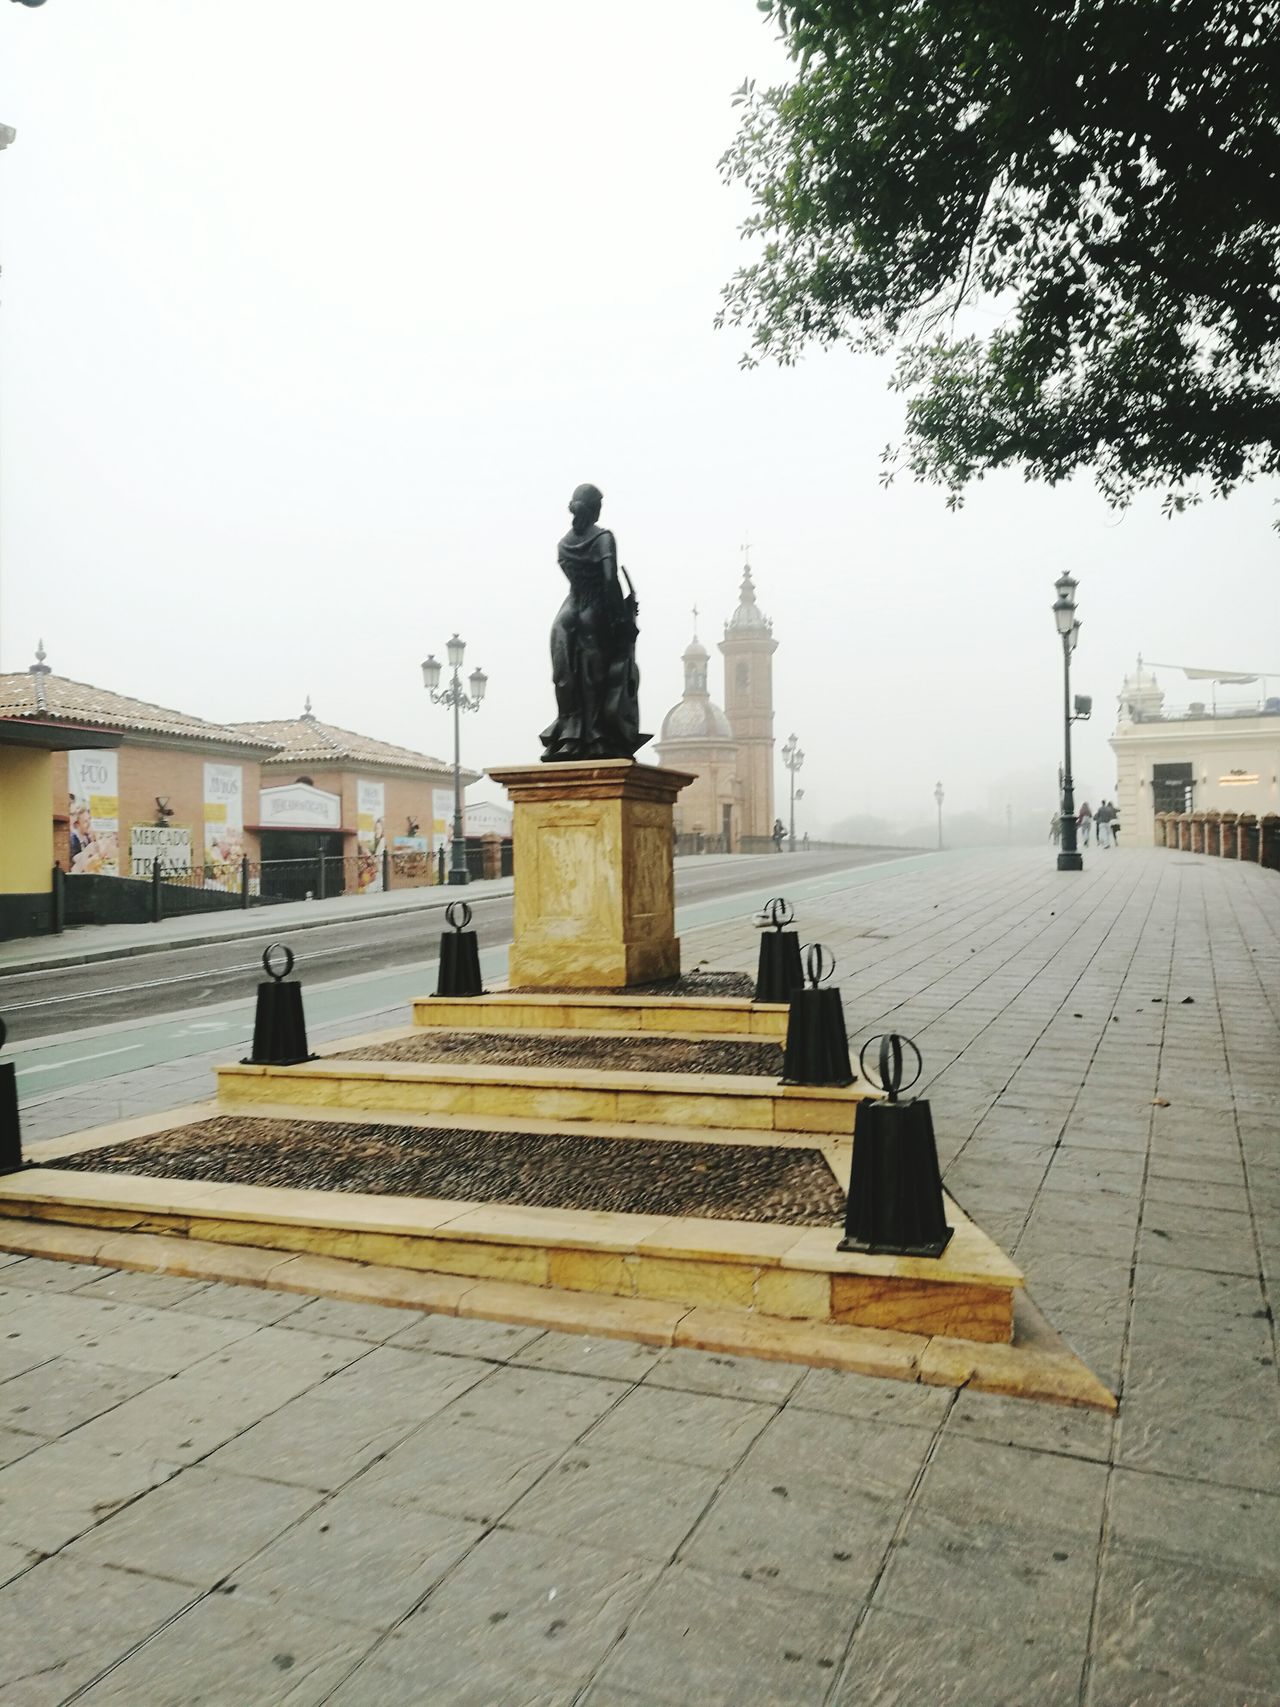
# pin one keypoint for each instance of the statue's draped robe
(593, 657)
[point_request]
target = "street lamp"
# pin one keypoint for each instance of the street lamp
(792, 758)
(1068, 625)
(456, 696)
(938, 796)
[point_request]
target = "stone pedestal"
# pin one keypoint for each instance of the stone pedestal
(595, 887)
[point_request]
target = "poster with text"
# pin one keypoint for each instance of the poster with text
(441, 816)
(223, 825)
(371, 834)
(94, 813)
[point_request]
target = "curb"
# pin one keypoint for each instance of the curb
(89, 956)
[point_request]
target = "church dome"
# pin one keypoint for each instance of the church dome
(748, 613)
(696, 719)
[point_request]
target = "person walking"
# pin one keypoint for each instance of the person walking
(1102, 824)
(1084, 823)
(1055, 828)
(778, 832)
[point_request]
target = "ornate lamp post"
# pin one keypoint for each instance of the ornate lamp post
(1068, 624)
(938, 796)
(456, 696)
(792, 758)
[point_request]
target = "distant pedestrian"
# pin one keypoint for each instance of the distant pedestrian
(806, 841)
(1102, 823)
(778, 833)
(1084, 823)
(1114, 825)
(1055, 828)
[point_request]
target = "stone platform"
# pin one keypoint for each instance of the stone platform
(784, 1279)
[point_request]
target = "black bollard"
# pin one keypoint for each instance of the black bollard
(779, 971)
(280, 1029)
(817, 1051)
(895, 1203)
(459, 955)
(10, 1127)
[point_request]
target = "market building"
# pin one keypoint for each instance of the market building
(330, 794)
(123, 782)
(1201, 756)
(101, 785)
(729, 751)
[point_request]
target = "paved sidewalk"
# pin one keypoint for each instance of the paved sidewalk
(224, 1496)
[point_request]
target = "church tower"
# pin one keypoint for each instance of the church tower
(748, 647)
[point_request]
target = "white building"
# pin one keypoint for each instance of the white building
(487, 817)
(1200, 756)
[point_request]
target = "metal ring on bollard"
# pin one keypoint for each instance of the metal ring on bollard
(779, 913)
(889, 1077)
(458, 914)
(817, 966)
(269, 969)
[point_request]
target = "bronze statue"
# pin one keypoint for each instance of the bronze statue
(593, 646)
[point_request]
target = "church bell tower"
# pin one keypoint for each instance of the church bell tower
(748, 647)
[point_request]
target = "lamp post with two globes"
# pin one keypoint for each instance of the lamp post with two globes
(456, 696)
(1068, 625)
(792, 758)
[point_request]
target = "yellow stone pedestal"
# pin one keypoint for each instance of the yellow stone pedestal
(595, 888)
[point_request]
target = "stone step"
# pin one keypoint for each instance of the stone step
(773, 1269)
(745, 1102)
(693, 1016)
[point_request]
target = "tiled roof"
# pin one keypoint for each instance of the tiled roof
(308, 741)
(38, 693)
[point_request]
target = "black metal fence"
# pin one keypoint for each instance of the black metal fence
(165, 892)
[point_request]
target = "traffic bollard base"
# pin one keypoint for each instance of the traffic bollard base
(895, 1204)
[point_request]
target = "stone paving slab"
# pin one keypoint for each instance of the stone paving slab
(384, 1523)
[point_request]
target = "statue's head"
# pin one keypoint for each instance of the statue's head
(585, 504)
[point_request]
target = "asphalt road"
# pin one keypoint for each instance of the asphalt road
(54, 1003)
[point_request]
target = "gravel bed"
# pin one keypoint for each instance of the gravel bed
(740, 984)
(578, 1049)
(721, 1182)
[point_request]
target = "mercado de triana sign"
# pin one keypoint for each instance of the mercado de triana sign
(168, 843)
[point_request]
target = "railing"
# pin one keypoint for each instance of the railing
(1224, 835)
(804, 844)
(166, 892)
(1197, 709)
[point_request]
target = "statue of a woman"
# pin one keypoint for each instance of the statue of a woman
(593, 646)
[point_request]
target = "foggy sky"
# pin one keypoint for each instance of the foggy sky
(313, 314)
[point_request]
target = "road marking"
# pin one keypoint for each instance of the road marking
(159, 983)
(75, 1060)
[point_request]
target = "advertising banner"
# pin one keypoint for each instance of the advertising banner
(223, 825)
(94, 811)
(412, 856)
(442, 815)
(164, 842)
(371, 836)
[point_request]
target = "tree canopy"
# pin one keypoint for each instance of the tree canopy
(1063, 216)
